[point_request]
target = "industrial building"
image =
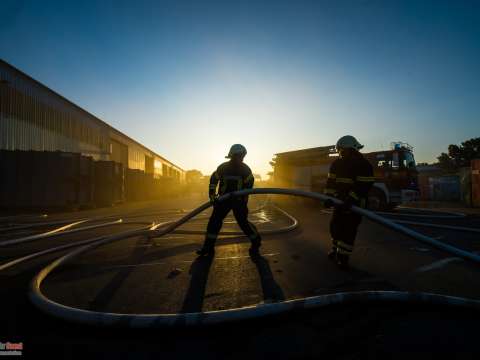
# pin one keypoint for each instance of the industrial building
(34, 117)
(304, 169)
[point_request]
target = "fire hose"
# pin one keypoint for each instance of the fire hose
(215, 317)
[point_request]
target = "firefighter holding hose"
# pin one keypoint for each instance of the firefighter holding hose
(230, 176)
(349, 179)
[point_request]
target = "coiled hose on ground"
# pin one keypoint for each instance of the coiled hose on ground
(148, 226)
(215, 317)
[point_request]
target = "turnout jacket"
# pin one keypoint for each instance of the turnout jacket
(350, 178)
(230, 176)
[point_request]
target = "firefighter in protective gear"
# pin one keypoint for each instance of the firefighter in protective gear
(231, 176)
(349, 179)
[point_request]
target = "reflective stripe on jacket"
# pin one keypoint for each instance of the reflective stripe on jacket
(350, 177)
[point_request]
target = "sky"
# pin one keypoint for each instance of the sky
(188, 79)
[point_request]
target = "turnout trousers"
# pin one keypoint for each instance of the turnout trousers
(343, 229)
(240, 212)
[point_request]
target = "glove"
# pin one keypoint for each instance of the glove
(213, 198)
(328, 203)
(347, 204)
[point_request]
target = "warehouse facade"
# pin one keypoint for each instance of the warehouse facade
(34, 117)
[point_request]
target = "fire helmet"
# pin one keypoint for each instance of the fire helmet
(237, 149)
(348, 142)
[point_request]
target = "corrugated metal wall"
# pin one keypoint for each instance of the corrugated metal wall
(138, 154)
(32, 117)
(119, 153)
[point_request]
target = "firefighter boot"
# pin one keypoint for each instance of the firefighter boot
(208, 248)
(332, 254)
(342, 261)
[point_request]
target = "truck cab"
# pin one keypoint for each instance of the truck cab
(394, 170)
(396, 176)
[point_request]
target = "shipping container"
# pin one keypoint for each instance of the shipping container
(465, 175)
(8, 179)
(109, 183)
(45, 180)
(445, 188)
(424, 186)
(86, 184)
(475, 164)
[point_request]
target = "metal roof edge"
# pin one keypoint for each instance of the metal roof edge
(85, 111)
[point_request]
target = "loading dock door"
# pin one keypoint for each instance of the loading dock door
(148, 164)
(119, 153)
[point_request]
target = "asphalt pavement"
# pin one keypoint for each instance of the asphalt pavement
(163, 275)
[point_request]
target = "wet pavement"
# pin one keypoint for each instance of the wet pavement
(162, 275)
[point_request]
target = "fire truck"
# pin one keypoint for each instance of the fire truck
(394, 170)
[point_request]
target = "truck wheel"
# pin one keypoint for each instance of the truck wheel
(376, 200)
